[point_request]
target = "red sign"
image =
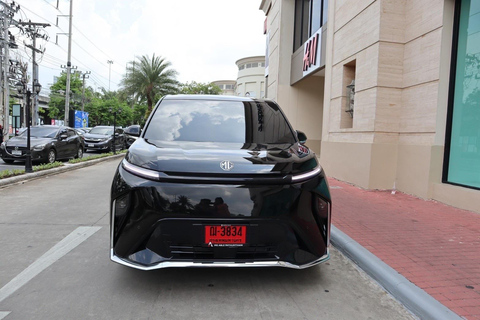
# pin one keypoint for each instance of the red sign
(310, 55)
(225, 235)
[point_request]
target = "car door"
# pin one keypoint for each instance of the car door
(61, 144)
(119, 139)
(72, 142)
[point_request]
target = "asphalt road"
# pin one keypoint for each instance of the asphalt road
(55, 265)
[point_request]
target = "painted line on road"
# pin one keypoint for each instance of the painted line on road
(3, 314)
(55, 253)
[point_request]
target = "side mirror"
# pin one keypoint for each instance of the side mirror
(63, 136)
(302, 137)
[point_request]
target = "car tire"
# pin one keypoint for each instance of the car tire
(51, 156)
(79, 153)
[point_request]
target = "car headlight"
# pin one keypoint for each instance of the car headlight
(105, 139)
(39, 147)
(3, 145)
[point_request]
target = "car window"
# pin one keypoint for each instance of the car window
(219, 121)
(41, 132)
(70, 133)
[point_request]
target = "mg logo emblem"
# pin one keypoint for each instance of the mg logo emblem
(226, 165)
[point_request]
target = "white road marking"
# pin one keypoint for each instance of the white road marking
(3, 314)
(55, 253)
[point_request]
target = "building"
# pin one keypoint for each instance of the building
(251, 77)
(227, 86)
(388, 92)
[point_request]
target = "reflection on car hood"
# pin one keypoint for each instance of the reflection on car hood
(96, 136)
(205, 158)
(22, 141)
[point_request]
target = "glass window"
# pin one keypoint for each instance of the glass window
(228, 86)
(464, 156)
(241, 67)
(325, 12)
(297, 41)
(316, 15)
(41, 132)
(249, 65)
(218, 121)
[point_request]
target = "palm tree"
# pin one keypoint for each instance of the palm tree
(148, 78)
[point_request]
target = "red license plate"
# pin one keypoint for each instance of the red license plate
(225, 234)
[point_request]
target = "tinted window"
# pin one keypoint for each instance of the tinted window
(218, 121)
(44, 132)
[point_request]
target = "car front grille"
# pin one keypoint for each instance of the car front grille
(245, 253)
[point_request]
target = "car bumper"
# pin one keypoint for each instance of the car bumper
(100, 146)
(150, 229)
(35, 154)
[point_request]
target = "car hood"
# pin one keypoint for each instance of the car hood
(21, 141)
(96, 136)
(209, 158)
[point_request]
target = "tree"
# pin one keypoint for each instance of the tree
(200, 88)
(147, 79)
(57, 95)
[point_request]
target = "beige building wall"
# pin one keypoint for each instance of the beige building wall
(302, 102)
(399, 54)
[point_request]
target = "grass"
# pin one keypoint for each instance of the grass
(11, 173)
(16, 172)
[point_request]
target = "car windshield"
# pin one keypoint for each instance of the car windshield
(219, 121)
(104, 131)
(41, 132)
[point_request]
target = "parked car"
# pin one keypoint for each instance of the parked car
(131, 134)
(219, 181)
(101, 138)
(47, 144)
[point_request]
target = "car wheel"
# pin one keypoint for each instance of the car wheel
(79, 154)
(8, 161)
(52, 156)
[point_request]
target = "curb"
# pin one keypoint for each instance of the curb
(412, 297)
(66, 167)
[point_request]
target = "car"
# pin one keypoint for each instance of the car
(131, 134)
(102, 138)
(47, 143)
(219, 181)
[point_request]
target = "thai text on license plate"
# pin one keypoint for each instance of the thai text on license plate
(225, 234)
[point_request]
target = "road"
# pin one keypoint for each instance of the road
(55, 265)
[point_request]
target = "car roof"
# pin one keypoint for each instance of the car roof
(209, 97)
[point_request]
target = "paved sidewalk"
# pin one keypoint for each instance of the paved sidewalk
(435, 246)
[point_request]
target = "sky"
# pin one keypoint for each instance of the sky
(202, 39)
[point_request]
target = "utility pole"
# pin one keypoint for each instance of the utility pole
(33, 31)
(69, 66)
(110, 62)
(84, 76)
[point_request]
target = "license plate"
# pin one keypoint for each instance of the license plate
(225, 234)
(91, 145)
(17, 152)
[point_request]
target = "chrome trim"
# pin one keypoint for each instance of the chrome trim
(183, 264)
(308, 175)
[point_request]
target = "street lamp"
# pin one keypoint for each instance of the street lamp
(22, 88)
(114, 124)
